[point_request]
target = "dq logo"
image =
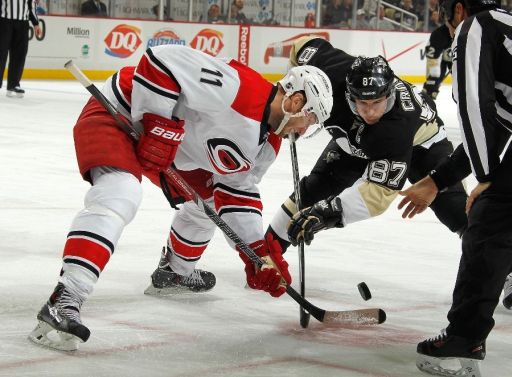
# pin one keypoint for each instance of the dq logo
(122, 41)
(165, 37)
(209, 41)
(226, 157)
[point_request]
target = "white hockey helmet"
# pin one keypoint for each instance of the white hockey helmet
(317, 87)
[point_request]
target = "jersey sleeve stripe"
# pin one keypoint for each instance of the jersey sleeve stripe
(154, 89)
(468, 63)
(159, 70)
(116, 89)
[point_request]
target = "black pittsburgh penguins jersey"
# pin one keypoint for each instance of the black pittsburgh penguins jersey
(439, 44)
(438, 54)
(388, 144)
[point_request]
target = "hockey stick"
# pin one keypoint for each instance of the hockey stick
(303, 315)
(361, 316)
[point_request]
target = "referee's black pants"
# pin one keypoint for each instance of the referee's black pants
(13, 42)
(486, 258)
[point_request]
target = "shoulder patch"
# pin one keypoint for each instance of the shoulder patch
(306, 55)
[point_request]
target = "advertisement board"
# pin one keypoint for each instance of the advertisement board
(105, 45)
(109, 44)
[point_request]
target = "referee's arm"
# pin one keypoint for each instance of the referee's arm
(473, 74)
(32, 13)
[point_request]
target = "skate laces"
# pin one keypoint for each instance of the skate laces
(69, 304)
(194, 279)
(438, 338)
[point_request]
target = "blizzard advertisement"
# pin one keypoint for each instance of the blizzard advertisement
(165, 37)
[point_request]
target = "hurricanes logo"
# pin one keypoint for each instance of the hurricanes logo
(122, 41)
(209, 41)
(226, 157)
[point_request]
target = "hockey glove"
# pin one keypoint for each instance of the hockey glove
(273, 276)
(430, 90)
(323, 215)
(159, 143)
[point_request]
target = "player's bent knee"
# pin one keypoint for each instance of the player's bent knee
(119, 193)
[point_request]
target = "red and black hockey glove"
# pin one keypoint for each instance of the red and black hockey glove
(159, 143)
(273, 276)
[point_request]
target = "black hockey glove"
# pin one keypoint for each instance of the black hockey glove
(430, 89)
(323, 215)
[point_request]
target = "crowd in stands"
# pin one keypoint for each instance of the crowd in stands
(400, 15)
(403, 15)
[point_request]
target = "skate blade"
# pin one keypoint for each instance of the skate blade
(432, 365)
(46, 336)
(167, 291)
(14, 95)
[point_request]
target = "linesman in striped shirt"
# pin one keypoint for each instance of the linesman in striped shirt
(14, 17)
(482, 89)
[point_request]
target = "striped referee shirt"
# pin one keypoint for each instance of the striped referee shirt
(482, 87)
(22, 10)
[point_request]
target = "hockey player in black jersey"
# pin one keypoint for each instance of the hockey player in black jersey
(438, 54)
(482, 89)
(383, 133)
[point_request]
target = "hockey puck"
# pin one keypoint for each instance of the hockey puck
(364, 291)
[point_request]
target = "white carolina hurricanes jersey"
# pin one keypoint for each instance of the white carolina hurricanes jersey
(225, 106)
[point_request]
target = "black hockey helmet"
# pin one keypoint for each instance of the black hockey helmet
(447, 7)
(369, 78)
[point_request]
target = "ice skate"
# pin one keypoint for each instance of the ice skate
(16, 92)
(60, 326)
(448, 349)
(164, 281)
(507, 293)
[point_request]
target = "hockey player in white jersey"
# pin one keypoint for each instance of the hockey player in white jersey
(220, 124)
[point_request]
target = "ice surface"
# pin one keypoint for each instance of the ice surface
(409, 266)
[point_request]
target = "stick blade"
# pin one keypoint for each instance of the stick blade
(372, 316)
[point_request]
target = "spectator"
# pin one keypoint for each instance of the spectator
(237, 16)
(14, 41)
(156, 12)
(40, 7)
(93, 8)
(408, 21)
(383, 23)
(332, 14)
(370, 7)
(214, 16)
(346, 13)
(433, 21)
(309, 21)
(362, 21)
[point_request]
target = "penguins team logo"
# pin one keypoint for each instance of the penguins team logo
(226, 157)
